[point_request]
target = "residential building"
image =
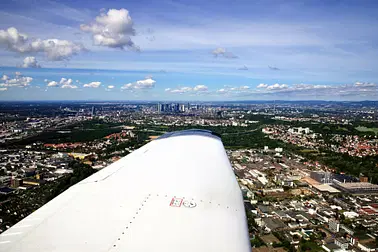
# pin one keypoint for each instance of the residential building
(334, 225)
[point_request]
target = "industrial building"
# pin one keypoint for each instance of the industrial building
(321, 177)
(356, 187)
(325, 188)
(328, 177)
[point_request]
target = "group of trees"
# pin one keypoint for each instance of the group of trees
(244, 137)
(15, 207)
(80, 172)
(80, 132)
(347, 164)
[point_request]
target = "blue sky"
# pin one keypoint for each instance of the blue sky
(188, 50)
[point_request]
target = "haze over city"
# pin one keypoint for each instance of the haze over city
(188, 50)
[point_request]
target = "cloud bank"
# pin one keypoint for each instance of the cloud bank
(54, 49)
(17, 81)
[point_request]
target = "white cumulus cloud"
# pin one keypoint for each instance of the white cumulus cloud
(357, 89)
(192, 90)
(233, 90)
(200, 88)
(67, 83)
(17, 81)
(112, 29)
(13, 40)
(109, 88)
(128, 86)
(222, 91)
(54, 49)
(308, 87)
(180, 90)
(94, 84)
(52, 84)
(220, 51)
(63, 83)
(30, 62)
(277, 86)
(147, 83)
(365, 84)
(69, 86)
(262, 85)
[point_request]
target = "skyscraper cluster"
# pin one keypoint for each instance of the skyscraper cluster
(172, 107)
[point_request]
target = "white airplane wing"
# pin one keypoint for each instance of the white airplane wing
(177, 193)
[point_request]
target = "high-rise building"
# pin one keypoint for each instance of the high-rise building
(172, 107)
(176, 107)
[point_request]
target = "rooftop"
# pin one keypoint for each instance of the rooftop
(332, 246)
(326, 188)
(358, 185)
(274, 224)
(6, 190)
(269, 239)
(268, 249)
(310, 181)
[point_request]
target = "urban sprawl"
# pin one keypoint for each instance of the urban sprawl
(307, 170)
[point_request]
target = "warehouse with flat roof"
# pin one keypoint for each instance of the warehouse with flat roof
(325, 188)
(356, 187)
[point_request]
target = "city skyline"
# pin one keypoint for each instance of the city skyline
(188, 51)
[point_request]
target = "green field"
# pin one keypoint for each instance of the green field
(365, 129)
(342, 128)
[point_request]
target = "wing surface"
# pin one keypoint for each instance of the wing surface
(177, 193)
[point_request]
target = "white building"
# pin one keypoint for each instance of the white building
(350, 215)
(299, 130)
(259, 176)
(334, 226)
(278, 149)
